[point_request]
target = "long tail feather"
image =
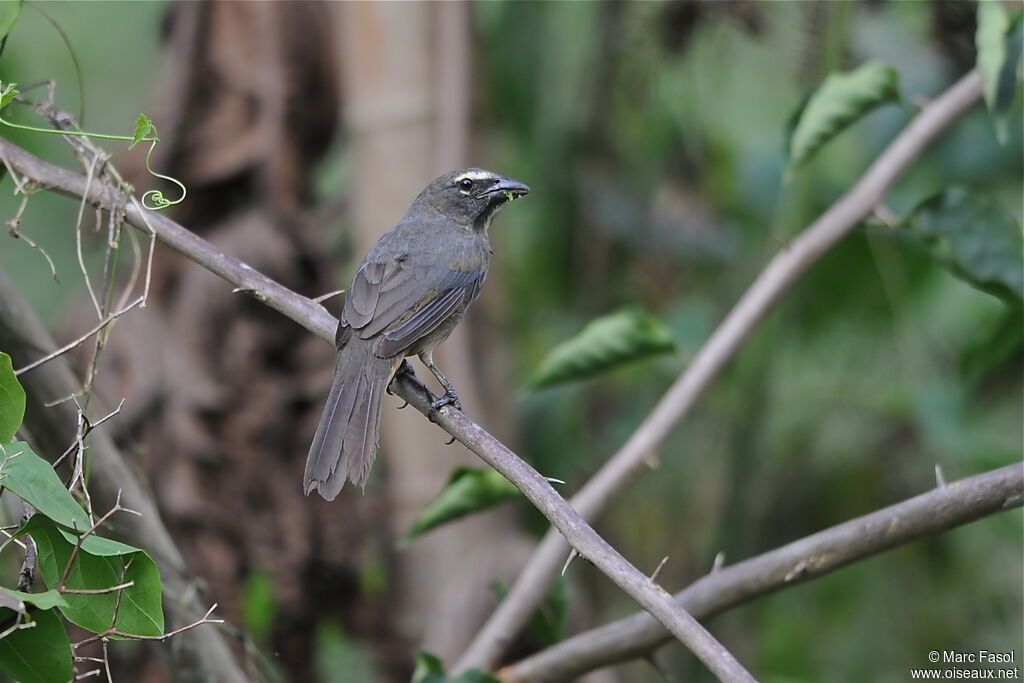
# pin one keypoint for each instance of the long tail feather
(345, 443)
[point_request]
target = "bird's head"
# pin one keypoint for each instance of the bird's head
(471, 196)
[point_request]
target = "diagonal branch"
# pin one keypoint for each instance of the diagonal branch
(312, 316)
(938, 510)
(760, 298)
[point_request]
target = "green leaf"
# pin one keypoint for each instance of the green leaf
(34, 481)
(602, 345)
(12, 400)
(475, 676)
(9, 11)
(142, 127)
(994, 347)
(999, 42)
(549, 624)
(46, 600)
(259, 604)
(8, 93)
(429, 670)
(840, 100)
(100, 564)
(467, 491)
(975, 238)
(41, 654)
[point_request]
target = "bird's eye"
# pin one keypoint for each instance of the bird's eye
(466, 184)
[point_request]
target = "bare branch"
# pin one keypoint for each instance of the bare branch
(933, 512)
(761, 297)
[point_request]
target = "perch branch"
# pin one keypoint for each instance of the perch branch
(938, 510)
(760, 298)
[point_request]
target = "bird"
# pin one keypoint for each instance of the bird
(411, 290)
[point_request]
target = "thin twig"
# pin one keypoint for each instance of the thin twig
(81, 539)
(135, 636)
(81, 340)
(14, 223)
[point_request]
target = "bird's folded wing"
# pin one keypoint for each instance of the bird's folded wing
(403, 303)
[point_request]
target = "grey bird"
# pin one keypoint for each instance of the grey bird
(408, 295)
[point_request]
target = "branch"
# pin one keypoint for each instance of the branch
(938, 510)
(766, 291)
(312, 316)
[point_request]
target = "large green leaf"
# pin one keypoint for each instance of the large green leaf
(41, 654)
(33, 480)
(12, 400)
(467, 491)
(999, 41)
(975, 238)
(100, 564)
(840, 100)
(603, 344)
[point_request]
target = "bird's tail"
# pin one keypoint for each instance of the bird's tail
(345, 443)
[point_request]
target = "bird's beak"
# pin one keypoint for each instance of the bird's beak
(512, 189)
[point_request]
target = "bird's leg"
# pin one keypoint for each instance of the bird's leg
(450, 398)
(404, 369)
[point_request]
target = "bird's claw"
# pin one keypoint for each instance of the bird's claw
(450, 398)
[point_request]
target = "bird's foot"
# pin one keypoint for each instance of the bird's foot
(450, 398)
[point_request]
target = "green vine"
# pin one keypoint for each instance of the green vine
(145, 131)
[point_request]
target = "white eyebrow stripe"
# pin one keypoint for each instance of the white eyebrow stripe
(474, 175)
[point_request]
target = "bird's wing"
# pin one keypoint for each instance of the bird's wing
(403, 301)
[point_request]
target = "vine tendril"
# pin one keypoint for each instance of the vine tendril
(145, 131)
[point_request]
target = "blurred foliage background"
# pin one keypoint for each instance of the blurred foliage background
(652, 135)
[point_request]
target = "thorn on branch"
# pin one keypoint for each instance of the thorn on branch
(657, 570)
(329, 295)
(940, 479)
(719, 562)
(568, 560)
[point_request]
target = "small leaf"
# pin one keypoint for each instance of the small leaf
(602, 345)
(142, 127)
(100, 564)
(41, 654)
(840, 100)
(9, 11)
(467, 491)
(45, 600)
(8, 93)
(994, 347)
(549, 623)
(33, 480)
(475, 676)
(12, 400)
(428, 669)
(999, 40)
(259, 604)
(975, 238)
